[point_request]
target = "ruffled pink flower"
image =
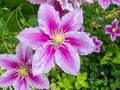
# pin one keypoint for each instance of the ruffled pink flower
(73, 4)
(60, 40)
(19, 73)
(98, 44)
(113, 30)
(65, 4)
(54, 3)
(105, 3)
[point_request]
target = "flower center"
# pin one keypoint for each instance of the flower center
(58, 39)
(113, 30)
(22, 71)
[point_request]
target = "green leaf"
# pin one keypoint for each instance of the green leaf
(116, 74)
(13, 25)
(113, 86)
(116, 60)
(84, 84)
(3, 27)
(118, 83)
(11, 3)
(103, 61)
(77, 85)
(82, 76)
(33, 21)
(93, 67)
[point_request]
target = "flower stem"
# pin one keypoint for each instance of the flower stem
(5, 45)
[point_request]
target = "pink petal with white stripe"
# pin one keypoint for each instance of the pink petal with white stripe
(114, 23)
(68, 59)
(7, 78)
(8, 61)
(23, 52)
(72, 21)
(48, 18)
(32, 37)
(81, 42)
(40, 82)
(43, 60)
(21, 84)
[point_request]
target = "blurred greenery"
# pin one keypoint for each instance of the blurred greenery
(99, 71)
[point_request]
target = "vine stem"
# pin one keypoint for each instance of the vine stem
(23, 18)
(16, 16)
(5, 45)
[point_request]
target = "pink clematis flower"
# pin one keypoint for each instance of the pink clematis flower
(54, 3)
(64, 4)
(19, 73)
(60, 40)
(98, 44)
(105, 3)
(73, 4)
(113, 30)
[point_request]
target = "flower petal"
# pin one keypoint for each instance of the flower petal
(7, 79)
(114, 23)
(21, 84)
(116, 2)
(8, 61)
(72, 21)
(23, 52)
(39, 82)
(118, 32)
(104, 3)
(48, 18)
(32, 37)
(57, 7)
(98, 43)
(113, 36)
(81, 42)
(108, 29)
(66, 5)
(37, 1)
(43, 60)
(68, 59)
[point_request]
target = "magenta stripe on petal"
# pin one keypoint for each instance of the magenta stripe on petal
(40, 81)
(81, 42)
(8, 61)
(113, 36)
(115, 23)
(72, 21)
(118, 32)
(21, 84)
(108, 29)
(33, 37)
(68, 59)
(48, 18)
(43, 60)
(7, 79)
(23, 52)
